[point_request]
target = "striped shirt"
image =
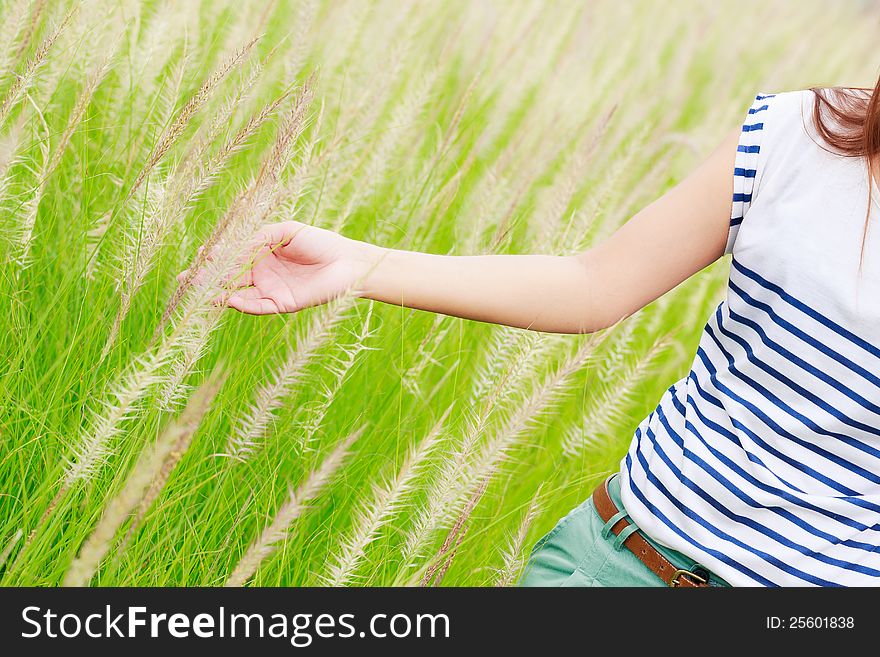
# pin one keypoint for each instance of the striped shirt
(763, 463)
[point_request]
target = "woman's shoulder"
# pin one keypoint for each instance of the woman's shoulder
(798, 106)
(786, 118)
(783, 105)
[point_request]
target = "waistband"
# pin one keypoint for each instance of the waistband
(674, 556)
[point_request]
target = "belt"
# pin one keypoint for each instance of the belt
(698, 577)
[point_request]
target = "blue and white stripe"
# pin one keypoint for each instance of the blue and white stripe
(745, 171)
(763, 463)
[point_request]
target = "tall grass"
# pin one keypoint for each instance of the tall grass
(132, 133)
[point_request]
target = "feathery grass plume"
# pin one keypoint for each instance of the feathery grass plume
(182, 431)
(507, 183)
(178, 126)
(151, 46)
(174, 389)
(9, 157)
(271, 394)
(301, 39)
(529, 411)
(193, 183)
(379, 159)
(135, 260)
(435, 198)
(585, 224)
(83, 100)
(10, 545)
(149, 468)
(609, 403)
(146, 371)
(167, 207)
(198, 167)
(149, 225)
(209, 133)
(436, 510)
(524, 66)
(506, 170)
(556, 199)
(438, 578)
(143, 374)
(439, 506)
(249, 210)
(300, 198)
(12, 24)
(23, 82)
(648, 186)
(492, 200)
(78, 50)
(438, 200)
(434, 574)
(98, 29)
(512, 356)
(292, 509)
(31, 206)
(94, 444)
(340, 368)
(429, 184)
(294, 123)
(621, 342)
(164, 98)
(282, 150)
(514, 557)
(556, 209)
(425, 356)
(381, 508)
(345, 24)
(470, 470)
(200, 315)
(157, 221)
(658, 314)
(349, 25)
(250, 20)
(364, 116)
(506, 347)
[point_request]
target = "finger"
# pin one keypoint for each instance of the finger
(251, 302)
(277, 234)
(222, 298)
(198, 277)
(253, 306)
(232, 283)
(242, 281)
(243, 275)
(235, 276)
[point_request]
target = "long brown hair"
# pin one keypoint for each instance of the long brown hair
(848, 120)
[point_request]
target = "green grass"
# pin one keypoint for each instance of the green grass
(452, 127)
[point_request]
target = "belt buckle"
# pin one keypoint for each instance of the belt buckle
(681, 572)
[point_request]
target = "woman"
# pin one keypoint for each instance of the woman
(760, 467)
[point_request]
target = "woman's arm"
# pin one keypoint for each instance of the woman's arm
(669, 240)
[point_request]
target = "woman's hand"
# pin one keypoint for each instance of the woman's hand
(292, 266)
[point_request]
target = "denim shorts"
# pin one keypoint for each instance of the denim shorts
(582, 551)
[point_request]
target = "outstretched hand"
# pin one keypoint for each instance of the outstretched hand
(290, 266)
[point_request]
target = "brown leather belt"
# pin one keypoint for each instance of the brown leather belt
(646, 553)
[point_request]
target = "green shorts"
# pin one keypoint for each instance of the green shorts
(581, 551)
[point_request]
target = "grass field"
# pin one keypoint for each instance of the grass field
(148, 438)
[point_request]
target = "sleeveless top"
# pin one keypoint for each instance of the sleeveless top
(763, 463)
